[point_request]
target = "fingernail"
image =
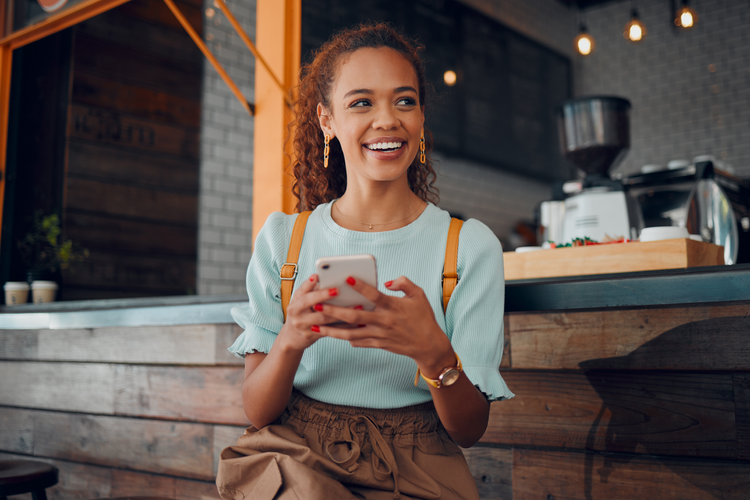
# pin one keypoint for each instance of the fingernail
(312, 278)
(351, 280)
(315, 328)
(333, 292)
(388, 284)
(318, 307)
(359, 308)
(362, 326)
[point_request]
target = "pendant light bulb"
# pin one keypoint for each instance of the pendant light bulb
(686, 17)
(635, 30)
(584, 43)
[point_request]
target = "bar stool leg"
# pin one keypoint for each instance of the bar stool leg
(38, 495)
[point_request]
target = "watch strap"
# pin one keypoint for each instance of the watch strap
(435, 382)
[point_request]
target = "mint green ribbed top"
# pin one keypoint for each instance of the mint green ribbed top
(332, 370)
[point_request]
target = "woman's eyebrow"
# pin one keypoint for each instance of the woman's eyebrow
(358, 91)
(397, 90)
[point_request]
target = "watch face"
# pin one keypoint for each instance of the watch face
(450, 377)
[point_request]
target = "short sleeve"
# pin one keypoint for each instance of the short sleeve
(262, 318)
(474, 318)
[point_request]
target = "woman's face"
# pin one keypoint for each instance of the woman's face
(375, 114)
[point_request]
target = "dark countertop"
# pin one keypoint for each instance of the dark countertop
(643, 289)
(699, 285)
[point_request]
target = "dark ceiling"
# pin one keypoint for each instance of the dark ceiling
(582, 4)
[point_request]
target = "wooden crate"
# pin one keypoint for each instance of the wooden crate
(613, 258)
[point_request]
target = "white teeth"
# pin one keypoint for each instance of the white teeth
(384, 145)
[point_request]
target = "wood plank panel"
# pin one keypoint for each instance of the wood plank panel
(103, 126)
(125, 65)
(505, 361)
(175, 448)
(202, 394)
(182, 344)
(492, 469)
(679, 338)
(18, 344)
(60, 386)
(135, 273)
(742, 411)
(17, 430)
(84, 482)
(106, 93)
(115, 27)
(95, 231)
(86, 159)
(665, 413)
(581, 476)
(130, 201)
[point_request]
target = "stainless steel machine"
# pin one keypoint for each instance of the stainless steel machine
(595, 136)
(701, 198)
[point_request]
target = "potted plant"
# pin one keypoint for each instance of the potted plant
(43, 251)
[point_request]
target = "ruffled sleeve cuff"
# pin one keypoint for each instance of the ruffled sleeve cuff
(489, 382)
(253, 339)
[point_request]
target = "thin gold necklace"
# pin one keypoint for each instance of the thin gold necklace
(370, 224)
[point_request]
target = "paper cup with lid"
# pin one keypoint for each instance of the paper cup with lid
(43, 291)
(16, 292)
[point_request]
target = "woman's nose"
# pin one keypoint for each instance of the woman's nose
(386, 119)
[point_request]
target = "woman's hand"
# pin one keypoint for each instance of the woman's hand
(402, 325)
(303, 313)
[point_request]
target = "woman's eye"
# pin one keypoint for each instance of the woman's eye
(407, 101)
(360, 103)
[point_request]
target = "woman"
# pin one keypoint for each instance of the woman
(335, 411)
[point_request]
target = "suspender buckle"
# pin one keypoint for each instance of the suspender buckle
(294, 273)
(456, 277)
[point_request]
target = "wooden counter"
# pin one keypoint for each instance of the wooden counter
(627, 386)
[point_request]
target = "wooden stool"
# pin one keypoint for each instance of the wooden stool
(25, 476)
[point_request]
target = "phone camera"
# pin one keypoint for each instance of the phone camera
(325, 266)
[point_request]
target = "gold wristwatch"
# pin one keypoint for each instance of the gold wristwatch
(447, 377)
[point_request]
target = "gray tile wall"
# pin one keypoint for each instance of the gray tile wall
(690, 90)
(226, 193)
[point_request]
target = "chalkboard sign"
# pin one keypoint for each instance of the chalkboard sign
(501, 110)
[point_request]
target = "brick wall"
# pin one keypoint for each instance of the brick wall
(226, 193)
(690, 90)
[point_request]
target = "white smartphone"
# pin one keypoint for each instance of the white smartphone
(333, 271)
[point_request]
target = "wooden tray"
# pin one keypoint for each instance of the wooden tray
(612, 258)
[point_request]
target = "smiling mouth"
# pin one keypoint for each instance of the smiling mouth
(384, 146)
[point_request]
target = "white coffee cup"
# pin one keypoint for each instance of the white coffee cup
(16, 292)
(43, 291)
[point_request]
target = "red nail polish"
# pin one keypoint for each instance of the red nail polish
(351, 280)
(315, 328)
(318, 307)
(359, 308)
(388, 284)
(362, 326)
(333, 292)
(312, 278)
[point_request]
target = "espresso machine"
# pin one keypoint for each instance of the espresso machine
(595, 136)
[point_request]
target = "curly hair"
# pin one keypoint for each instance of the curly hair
(314, 184)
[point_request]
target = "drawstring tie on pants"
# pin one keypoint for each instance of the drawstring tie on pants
(381, 452)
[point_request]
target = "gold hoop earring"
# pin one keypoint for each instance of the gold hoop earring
(422, 157)
(326, 151)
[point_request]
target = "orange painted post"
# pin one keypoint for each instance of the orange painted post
(278, 38)
(6, 58)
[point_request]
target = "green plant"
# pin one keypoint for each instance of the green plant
(41, 248)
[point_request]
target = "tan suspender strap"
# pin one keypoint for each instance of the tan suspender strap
(289, 269)
(450, 268)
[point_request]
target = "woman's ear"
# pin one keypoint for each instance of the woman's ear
(324, 117)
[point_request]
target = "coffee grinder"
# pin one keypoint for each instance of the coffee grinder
(595, 136)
